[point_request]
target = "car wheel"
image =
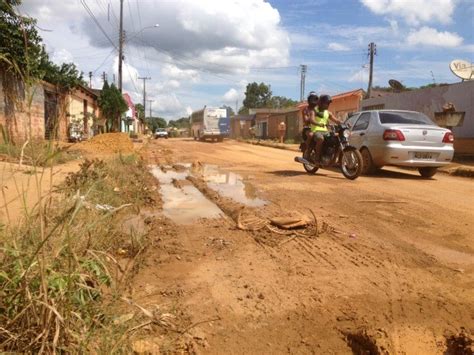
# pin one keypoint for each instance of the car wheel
(368, 166)
(427, 172)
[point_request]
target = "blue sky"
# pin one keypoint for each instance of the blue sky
(205, 52)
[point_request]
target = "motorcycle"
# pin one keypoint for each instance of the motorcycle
(336, 151)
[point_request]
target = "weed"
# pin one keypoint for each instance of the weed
(59, 274)
(36, 153)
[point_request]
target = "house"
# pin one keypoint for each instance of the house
(240, 126)
(82, 112)
(343, 104)
(44, 111)
(430, 101)
(267, 121)
(129, 122)
(346, 103)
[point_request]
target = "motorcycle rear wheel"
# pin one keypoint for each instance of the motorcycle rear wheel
(310, 169)
(351, 163)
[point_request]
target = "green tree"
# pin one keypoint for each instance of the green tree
(182, 122)
(140, 111)
(22, 50)
(156, 122)
(257, 96)
(20, 44)
(112, 105)
(282, 102)
(66, 75)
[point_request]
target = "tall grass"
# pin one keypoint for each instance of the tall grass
(59, 274)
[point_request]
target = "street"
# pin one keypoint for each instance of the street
(392, 269)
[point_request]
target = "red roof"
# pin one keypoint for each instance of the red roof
(349, 93)
(358, 92)
(129, 102)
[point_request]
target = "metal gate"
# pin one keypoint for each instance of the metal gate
(50, 115)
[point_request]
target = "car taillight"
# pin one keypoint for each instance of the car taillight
(448, 137)
(393, 135)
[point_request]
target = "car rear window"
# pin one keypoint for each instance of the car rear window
(404, 118)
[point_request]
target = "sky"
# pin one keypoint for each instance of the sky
(205, 52)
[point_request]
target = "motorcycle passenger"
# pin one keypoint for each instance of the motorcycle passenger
(319, 125)
(308, 118)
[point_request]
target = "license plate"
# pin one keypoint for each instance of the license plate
(423, 155)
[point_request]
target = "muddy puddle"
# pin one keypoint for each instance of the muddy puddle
(184, 204)
(229, 184)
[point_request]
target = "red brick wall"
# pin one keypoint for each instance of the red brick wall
(18, 118)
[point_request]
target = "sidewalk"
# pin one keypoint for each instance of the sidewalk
(459, 167)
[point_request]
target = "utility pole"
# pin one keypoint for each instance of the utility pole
(372, 52)
(120, 48)
(90, 79)
(236, 106)
(150, 101)
(144, 92)
(104, 76)
(303, 79)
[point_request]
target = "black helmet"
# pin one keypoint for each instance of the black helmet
(325, 99)
(312, 96)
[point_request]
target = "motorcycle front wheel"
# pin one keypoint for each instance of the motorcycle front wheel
(351, 163)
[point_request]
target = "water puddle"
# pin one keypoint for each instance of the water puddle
(184, 204)
(229, 184)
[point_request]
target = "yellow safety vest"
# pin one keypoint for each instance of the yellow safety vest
(322, 121)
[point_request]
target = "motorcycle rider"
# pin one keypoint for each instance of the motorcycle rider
(319, 124)
(308, 118)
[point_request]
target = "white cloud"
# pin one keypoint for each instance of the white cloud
(231, 96)
(61, 56)
(220, 37)
(393, 25)
(338, 47)
(168, 105)
(427, 36)
(360, 76)
(414, 12)
(173, 72)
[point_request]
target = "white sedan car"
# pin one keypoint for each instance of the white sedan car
(400, 138)
(161, 133)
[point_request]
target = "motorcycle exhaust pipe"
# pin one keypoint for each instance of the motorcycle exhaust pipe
(304, 161)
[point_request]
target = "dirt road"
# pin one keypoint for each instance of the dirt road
(391, 271)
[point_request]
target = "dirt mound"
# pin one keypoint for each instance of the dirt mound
(107, 143)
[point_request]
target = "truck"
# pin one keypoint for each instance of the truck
(210, 123)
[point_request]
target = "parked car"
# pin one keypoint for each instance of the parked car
(400, 138)
(161, 133)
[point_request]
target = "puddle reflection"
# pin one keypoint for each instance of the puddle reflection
(231, 185)
(185, 204)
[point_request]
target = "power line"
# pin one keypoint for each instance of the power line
(105, 8)
(131, 16)
(91, 14)
(141, 26)
(108, 56)
(188, 64)
(111, 8)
